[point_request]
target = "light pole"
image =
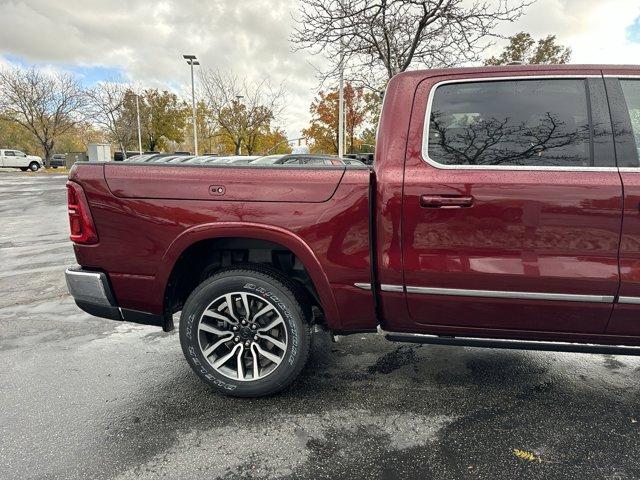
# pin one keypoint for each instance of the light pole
(238, 98)
(341, 98)
(191, 60)
(138, 117)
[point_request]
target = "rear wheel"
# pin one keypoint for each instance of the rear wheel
(244, 332)
(34, 166)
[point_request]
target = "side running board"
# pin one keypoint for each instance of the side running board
(509, 344)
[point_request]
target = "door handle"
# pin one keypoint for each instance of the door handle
(444, 201)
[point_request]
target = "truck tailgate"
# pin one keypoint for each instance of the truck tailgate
(246, 184)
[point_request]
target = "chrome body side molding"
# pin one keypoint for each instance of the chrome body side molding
(629, 300)
(391, 288)
(566, 297)
(463, 292)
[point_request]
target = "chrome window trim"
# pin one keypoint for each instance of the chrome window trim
(566, 297)
(425, 130)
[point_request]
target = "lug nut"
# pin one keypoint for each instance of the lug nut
(236, 339)
(244, 322)
(247, 343)
(253, 326)
(235, 328)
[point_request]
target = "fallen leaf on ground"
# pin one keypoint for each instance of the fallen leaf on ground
(524, 455)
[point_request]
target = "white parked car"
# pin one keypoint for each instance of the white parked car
(18, 159)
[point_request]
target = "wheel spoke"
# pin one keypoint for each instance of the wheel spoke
(239, 363)
(268, 355)
(272, 325)
(213, 347)
(210, 329)
(256, 366)
(218, 316)
(222, 360)
(266, 309)
(231, 306)
(245, 304)
(282, 346)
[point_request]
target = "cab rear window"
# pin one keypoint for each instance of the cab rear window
(533, 123)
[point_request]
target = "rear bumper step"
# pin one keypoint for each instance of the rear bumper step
(93, 294)
(510, 343)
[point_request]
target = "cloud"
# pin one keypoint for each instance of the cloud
(596, 30)
(143, 40)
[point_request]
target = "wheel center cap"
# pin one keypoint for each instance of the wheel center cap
(245, 333)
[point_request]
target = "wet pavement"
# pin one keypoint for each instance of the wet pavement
(82, 397)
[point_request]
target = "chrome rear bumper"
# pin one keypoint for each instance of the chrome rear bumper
(89, 287)
(92, 293)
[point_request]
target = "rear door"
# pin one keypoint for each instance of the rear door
(624, 99)
(9, 159)
(512, 205)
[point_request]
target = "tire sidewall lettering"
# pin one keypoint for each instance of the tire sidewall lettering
(287, 315)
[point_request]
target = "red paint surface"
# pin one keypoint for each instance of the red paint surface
(552, 232)
(141, 238)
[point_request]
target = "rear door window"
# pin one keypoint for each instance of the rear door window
(510, 124)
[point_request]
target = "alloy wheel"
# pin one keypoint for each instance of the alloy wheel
(243, 336)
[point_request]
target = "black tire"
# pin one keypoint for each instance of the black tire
(265, 285)
(34, 166)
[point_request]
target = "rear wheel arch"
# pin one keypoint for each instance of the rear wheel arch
(202, 244)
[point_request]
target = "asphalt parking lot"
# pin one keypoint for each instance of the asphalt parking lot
(82, 397)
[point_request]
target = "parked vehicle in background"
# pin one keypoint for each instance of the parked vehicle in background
(141, 158)
(181, 158)
(19, 159)
(352, 161)
(119, 156)
(366, 158)
(298, 159)
(234, 160)
(58, 160)
(502, 211)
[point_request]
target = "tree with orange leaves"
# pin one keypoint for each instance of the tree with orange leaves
(322, 132)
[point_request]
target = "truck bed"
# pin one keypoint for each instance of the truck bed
(148, 217)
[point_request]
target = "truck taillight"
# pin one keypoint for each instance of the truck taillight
(83, 230)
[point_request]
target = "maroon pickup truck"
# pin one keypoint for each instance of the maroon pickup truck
(503, 209)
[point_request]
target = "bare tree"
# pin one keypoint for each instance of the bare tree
(243, 110)
(47, 105)
(380, 38)
(109, 106)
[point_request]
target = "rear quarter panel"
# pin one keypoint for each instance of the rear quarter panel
(141, 238)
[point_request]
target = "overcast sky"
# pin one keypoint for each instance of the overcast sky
(143, 40)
